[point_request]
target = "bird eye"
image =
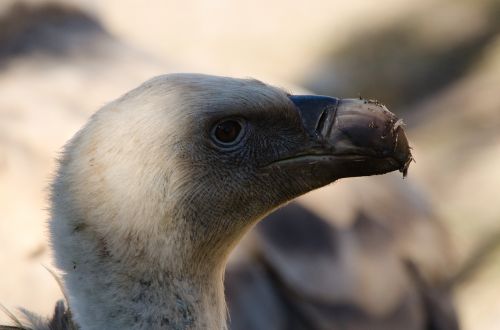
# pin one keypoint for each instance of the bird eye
(227, 132)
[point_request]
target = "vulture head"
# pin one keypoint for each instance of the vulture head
(155, 190)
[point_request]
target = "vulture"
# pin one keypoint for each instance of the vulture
(376, 258)
(159, 186)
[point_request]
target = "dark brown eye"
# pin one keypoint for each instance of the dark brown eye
(227, 132)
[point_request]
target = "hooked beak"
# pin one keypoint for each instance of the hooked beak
(348, 138)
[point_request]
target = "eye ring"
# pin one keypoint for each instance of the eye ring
(228, 132)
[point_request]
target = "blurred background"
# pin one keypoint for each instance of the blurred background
(415, 251)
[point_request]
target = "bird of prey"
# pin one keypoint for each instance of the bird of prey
(153, 193)
(376, 258)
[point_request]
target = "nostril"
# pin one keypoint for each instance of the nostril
(315, 112)
(321, 121)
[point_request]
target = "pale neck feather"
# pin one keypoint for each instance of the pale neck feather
(120, 283)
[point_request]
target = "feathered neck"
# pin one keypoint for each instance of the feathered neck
(132, 289)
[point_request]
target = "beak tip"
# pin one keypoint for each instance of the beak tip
(371, 126)
(402, 150)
